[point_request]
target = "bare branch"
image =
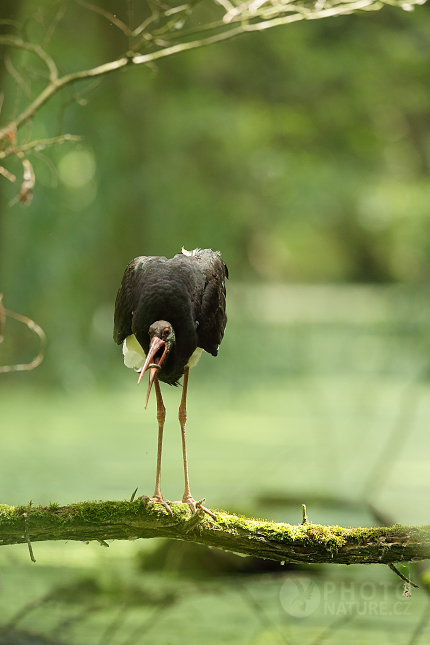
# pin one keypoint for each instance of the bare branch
(13, 41)
(107, 14)
(25, 194)
(420, 567)
(56, 85)
(4, 313)
(39, 144)
(152, 18)
(401, 576)
(27, 538)
(177, 22)
(248, 28)
(51, 166)
(58, 16)
(16, 76)
(250, 16)
(7, 174)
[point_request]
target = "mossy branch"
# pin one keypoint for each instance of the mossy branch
(309, 543)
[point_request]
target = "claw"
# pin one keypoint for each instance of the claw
(206, 510)
(156, 500)
(193, 505)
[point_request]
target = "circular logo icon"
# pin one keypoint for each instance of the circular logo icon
(299, 596)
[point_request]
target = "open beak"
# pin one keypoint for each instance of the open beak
(153, 362)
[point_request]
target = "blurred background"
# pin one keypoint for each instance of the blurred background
(303, 155)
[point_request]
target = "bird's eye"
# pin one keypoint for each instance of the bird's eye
(165, 332)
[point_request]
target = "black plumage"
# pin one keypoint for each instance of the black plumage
(188, 291)
(171, 308)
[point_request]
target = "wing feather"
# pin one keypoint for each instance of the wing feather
(124, 300)
(212, 317)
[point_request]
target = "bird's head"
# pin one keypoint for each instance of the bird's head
(162, 339)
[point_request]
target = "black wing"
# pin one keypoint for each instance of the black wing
(124, 304)
(212, 317)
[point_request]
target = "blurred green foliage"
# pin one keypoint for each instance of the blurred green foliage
(302, 153)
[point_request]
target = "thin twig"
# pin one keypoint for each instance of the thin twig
(51, 166)
(130, 18)
(57, 83)
(27, 537)
(404, 578)
(39, 144)
(7, 174)
(106, 14)
(252, 16)
(54, 22)
(177, 22)
(304, 514)
(13, 41)
(25, 194)
(155, 15)
(16, 76)
(420, 567)
(31, 325)
(248, 28)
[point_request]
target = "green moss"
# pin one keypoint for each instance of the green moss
(302, 533)
(7, 511)
(124, 520)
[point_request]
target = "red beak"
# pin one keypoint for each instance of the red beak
(153, 364)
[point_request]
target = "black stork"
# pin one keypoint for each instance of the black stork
(166, 313)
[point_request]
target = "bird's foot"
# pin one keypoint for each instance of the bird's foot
(193, 505)
(156, 499)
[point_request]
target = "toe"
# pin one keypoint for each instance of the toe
(197, 505)
(156, 500)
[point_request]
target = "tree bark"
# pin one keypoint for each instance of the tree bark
(307, 543)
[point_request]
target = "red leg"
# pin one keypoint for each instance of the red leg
(157, 498)
(161, 415)
(187, 497)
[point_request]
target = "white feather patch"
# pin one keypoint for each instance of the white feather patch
(195, 357)
(134, 356)
(190, 254)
